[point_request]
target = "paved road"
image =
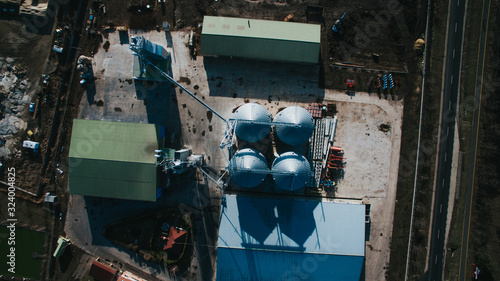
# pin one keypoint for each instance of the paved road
(472, 165)
(446, 136)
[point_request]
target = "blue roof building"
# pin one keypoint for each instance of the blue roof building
(290, 239)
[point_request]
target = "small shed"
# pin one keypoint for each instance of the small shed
(62, 243)
(175, 236)
(49, 198)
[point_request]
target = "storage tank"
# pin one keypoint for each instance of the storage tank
(291, 171)
(302, 125)
(248, 167)
(248, 130)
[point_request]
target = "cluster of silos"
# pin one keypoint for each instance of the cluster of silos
(294, 126)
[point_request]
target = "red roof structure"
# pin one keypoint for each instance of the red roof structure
(315, 109)
(102, 272)
(128, 276)
(173, 234)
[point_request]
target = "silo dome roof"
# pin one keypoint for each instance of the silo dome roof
(248, 167)
(303, 129)
(291, 171)
(249, 131)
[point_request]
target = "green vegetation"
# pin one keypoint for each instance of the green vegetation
(29, 252)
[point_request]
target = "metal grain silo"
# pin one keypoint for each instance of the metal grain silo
(248, 129)
(300, 125)
(291, 171)
(248, 167)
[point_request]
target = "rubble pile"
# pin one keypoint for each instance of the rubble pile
(13, 102)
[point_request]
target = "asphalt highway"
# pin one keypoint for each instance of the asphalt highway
(446, 137)
(477, 110)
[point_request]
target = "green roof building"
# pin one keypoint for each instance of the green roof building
(113, 160)
(261, 39)
(62, 243)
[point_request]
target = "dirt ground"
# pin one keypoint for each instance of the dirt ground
(32, 49)
(31, 52)
(382, 29)
(29, 41)
(398, 29)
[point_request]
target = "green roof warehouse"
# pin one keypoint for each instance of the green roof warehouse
(113, 160)
(261, 39)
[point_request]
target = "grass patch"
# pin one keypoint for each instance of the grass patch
(29, 252)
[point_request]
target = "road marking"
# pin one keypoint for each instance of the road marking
(442, 185)
(440, 208)
(463, 257)
(436, 260)
(453, 53)
(438, 232)
(451, 81)
(458, 3)
(447, 131)
(449, 104)
(456, 24)
(445, 156)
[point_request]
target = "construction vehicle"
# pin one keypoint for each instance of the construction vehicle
(337, 26)
(350, 87)
(289, 17)
(85, 67)
(475, 272)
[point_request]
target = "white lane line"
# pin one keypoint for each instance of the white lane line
(442, 185)
(449, 104)
(439, 231)
(458, 3)
(452, 79)
(453, 53)
(440, 208)
(447, 131)
(445, 156)
(456, 24)
(436, 260)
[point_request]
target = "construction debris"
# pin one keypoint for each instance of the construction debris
(14, 100)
